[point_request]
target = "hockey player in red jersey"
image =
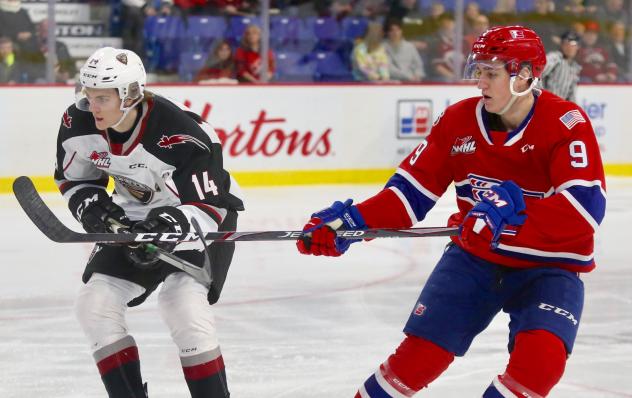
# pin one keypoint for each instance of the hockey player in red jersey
(167, 168)
(530, 193)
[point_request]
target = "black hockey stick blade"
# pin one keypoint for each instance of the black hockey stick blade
(39, 213)
(49, 224)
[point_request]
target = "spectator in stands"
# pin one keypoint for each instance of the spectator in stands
(618, 48)
(596, 64)
(9, 66)
(441, 52)
(561, 73)
(369, 59)
(433, 21)
(340, 9)
(133, 16)
(404, 10)
(248, 57)
(505, 12)
(577, 9)
(16, 24)
(612, 10)
(65, 67)
(544, 22)
(220, 66)
(404, 62)
(233, 7)
(471, 14)
(479, 26)
(193, 7)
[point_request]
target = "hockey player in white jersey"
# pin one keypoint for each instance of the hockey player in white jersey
(167, 168)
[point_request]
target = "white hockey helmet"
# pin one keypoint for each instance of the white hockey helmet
(115, 68)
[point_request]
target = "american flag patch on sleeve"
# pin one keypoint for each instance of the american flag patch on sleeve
(571, 118)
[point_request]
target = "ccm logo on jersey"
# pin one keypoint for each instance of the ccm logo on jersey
(464, 145)
(559, 311)
(171, 140)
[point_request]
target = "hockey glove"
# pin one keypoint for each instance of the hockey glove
(319, 234)
(502, 205)
(96, 211)
(159, 220)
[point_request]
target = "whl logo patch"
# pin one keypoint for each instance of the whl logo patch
(100, 159)
(463, 145)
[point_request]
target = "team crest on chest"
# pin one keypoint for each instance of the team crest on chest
(140, 191)
(463, 145)
(100, 159)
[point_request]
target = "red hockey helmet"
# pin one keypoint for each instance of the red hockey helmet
(515, 46)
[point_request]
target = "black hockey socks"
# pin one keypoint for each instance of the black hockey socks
(119, 367)
(205, 375)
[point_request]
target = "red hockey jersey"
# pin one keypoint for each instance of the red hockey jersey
(553, 156)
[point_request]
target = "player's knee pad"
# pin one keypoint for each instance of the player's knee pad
(185, 309)
(101, 306)
(417, 362)
(536, 363)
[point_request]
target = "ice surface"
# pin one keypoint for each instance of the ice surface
(291, 325)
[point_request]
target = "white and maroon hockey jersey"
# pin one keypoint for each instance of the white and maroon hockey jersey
(553, 156)
(170, 158)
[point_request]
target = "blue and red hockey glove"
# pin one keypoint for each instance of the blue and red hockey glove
(500, 206)
(319, 234)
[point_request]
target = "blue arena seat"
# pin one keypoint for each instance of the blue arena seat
(324, 28)
(330, 67)
(190, 64)
(162, 36)
(354, 27)
(294, 67)
(203, 30)
(237, 26)
(525, 5)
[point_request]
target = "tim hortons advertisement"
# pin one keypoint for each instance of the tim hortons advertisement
(293, 128)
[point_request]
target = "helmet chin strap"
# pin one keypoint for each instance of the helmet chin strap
(126, 112)
(515, 94)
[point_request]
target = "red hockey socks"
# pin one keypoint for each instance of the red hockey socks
(119, 367)
(415, 364)
(535, 366)
(205, 374)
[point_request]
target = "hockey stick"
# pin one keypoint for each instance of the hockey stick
(202, 274)
(49, 224)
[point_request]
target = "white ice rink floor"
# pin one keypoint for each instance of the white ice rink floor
(292, 325)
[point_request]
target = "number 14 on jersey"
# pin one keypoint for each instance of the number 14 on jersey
(205, 187)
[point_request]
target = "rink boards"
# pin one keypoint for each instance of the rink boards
(295, 134)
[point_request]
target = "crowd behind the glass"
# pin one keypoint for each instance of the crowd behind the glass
(400, 40)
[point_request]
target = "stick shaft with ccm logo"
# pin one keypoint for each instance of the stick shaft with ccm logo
(47, 222)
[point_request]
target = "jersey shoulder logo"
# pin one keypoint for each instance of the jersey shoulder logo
(66, 120)
(100, 159)
(464, 145)
(175, 139)
(572, 118)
